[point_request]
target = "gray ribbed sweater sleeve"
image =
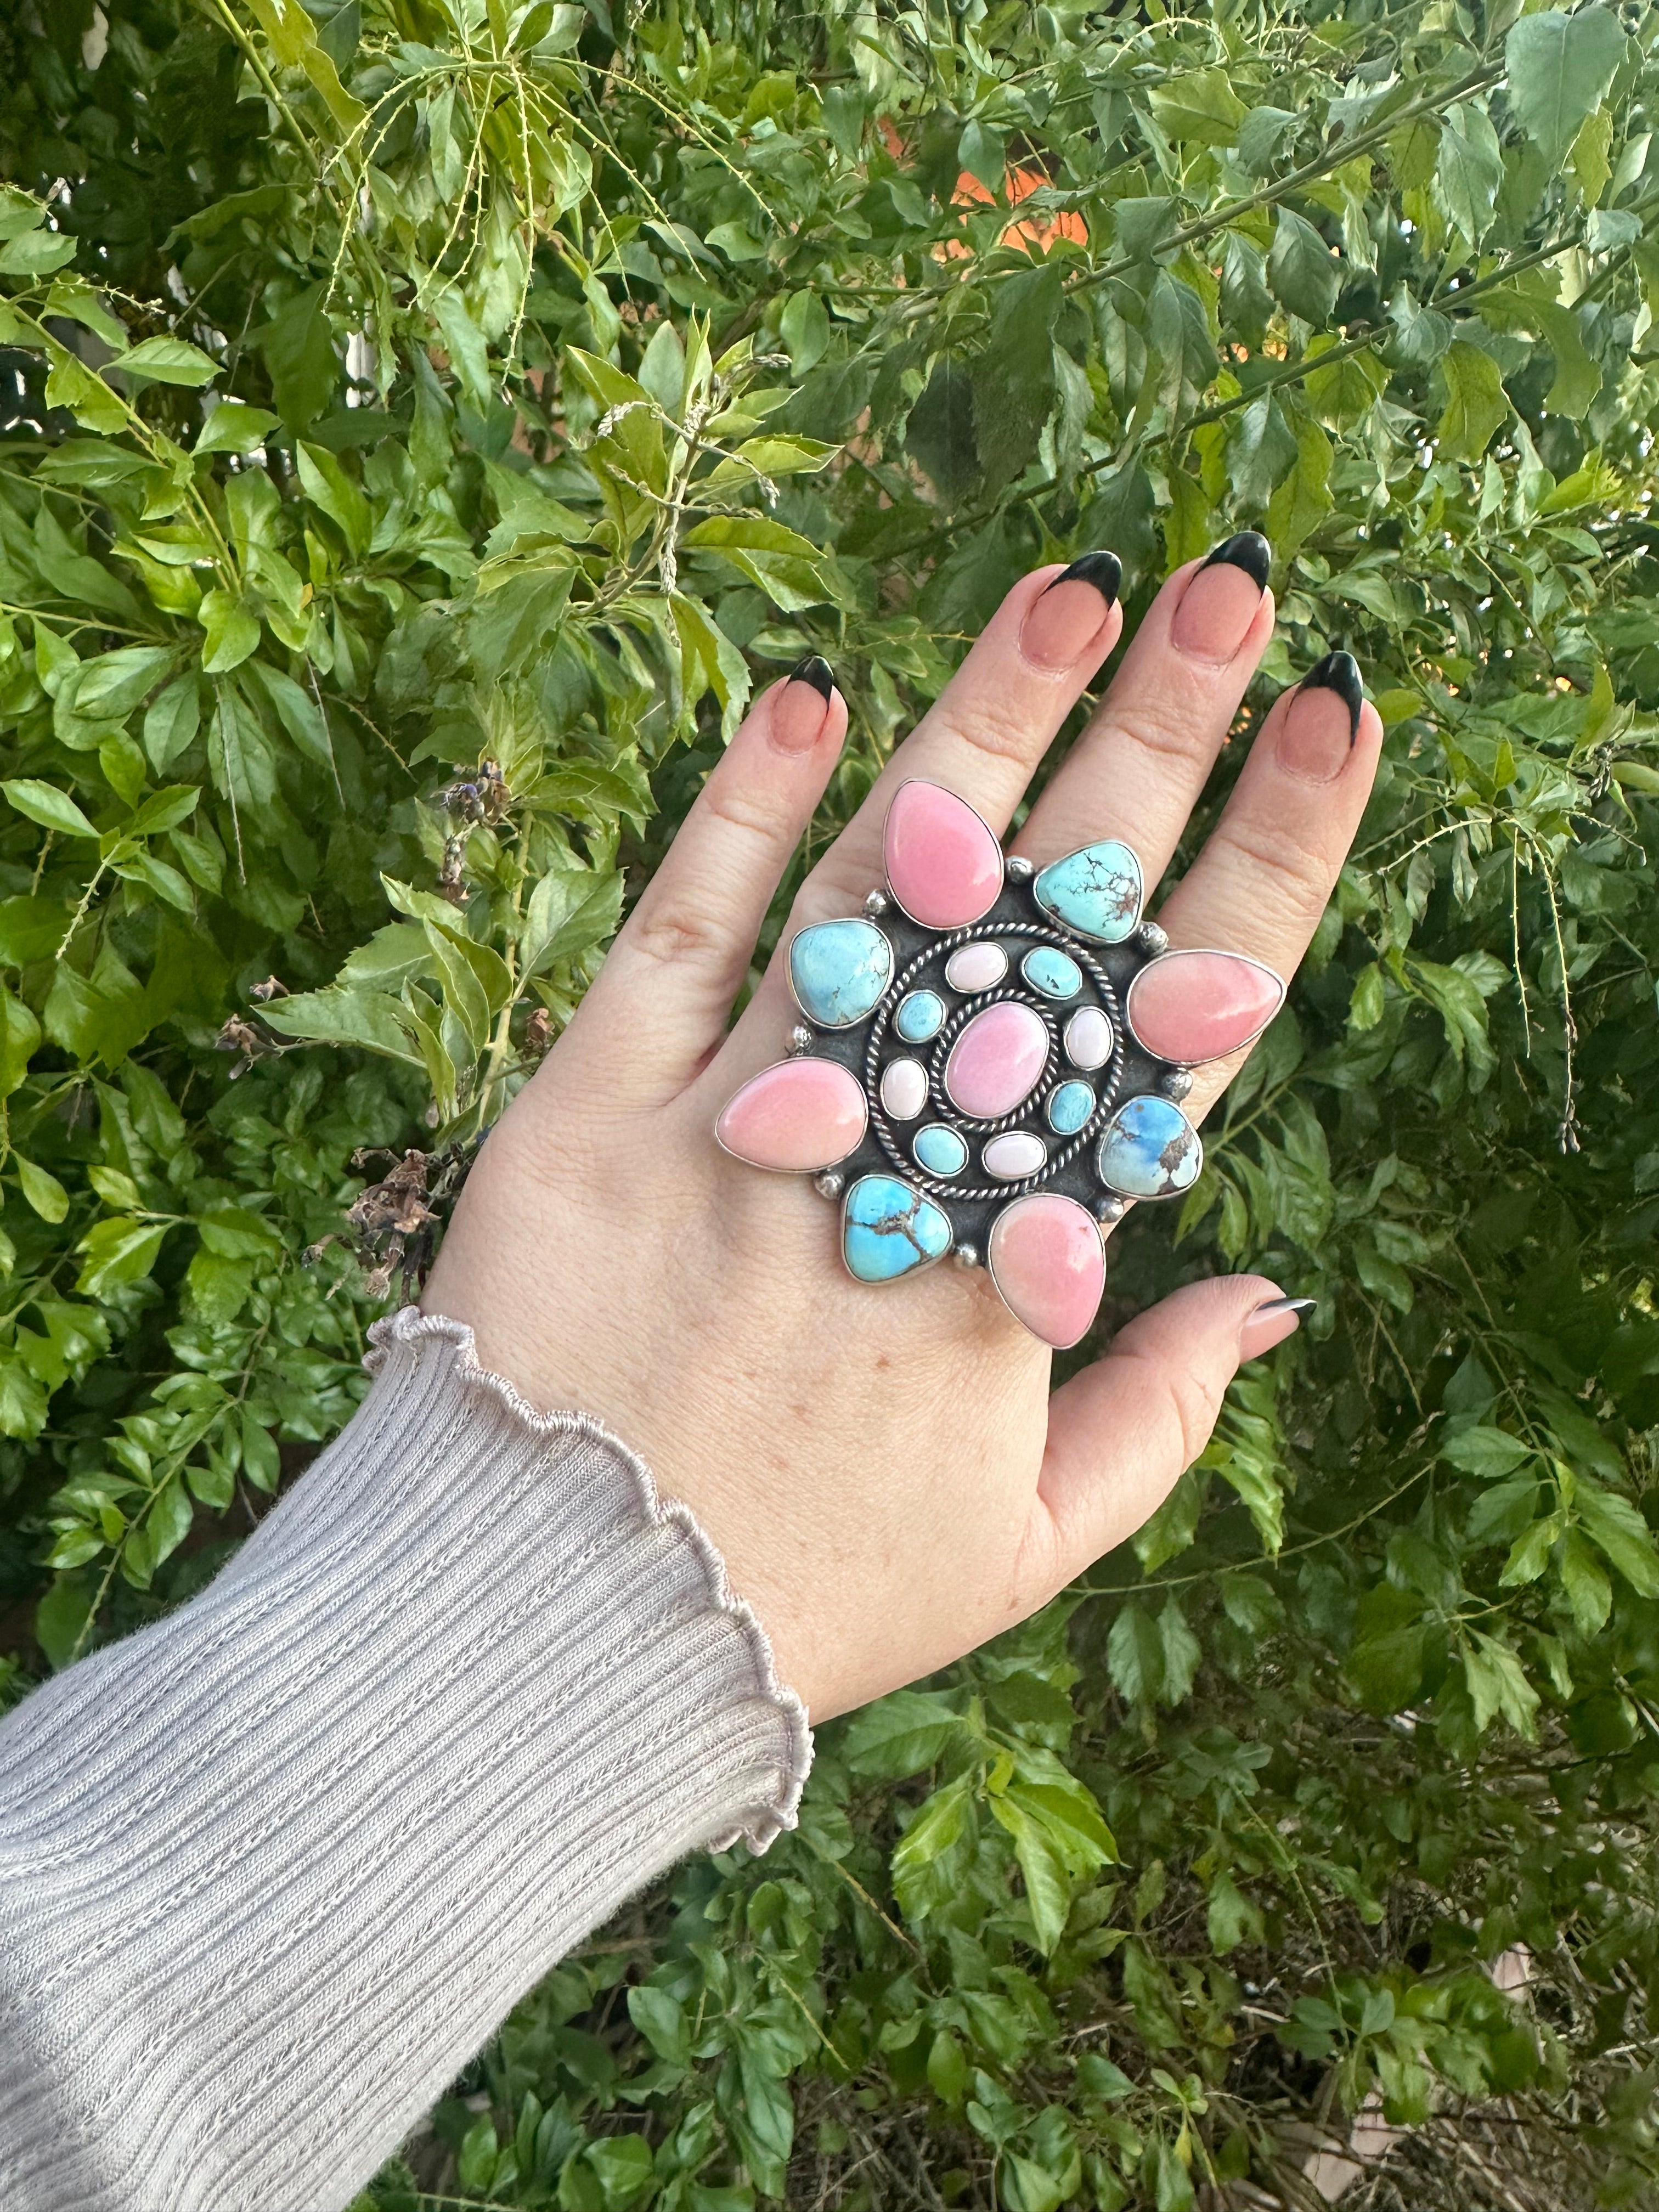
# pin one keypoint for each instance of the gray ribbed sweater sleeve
(272, 1870)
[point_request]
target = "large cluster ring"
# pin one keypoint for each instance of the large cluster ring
(991, 1062)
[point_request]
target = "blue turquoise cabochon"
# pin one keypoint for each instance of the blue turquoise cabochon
(838, 971)
(1096, 891)
(888, 1229)
(1149, 1150)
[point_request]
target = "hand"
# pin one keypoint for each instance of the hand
(883, 1468)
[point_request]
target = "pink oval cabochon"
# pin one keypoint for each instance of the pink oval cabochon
(943, 866)
(996, 1061)
(1194, 1006)
(798, 1116)
(1048, 1262)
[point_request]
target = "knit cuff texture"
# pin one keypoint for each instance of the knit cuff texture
(273, 1869)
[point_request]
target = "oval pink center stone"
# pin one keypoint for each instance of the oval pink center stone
(1048, 1263)
(996, 1061)
(799, 1117)
(1194, 1006)
(944, 867)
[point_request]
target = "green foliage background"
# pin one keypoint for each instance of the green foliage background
(408, 384)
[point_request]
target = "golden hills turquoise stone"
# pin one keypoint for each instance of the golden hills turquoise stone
(940, 1150)
(920, 1016)
(1149, 1150)
(888, 1229)
(1070, 1107)
(1051, 971)
(838, 971)
(1096, 891)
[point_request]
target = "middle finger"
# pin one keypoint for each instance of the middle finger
(1137, 770)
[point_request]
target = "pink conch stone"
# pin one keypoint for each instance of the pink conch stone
(996, 1061)
(799, 1117)
(1194, 1006)
(944, 867)
(1048, 1260)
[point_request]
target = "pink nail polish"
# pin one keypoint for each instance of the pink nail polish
(1065, 618)
(1322, 720)
(1222, 599)
(799, 709)
(1270, 1324)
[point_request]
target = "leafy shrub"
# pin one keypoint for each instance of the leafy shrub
(425, 421)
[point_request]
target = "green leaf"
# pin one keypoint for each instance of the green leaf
(231, 634)
(171, 721)
(1199, 107)
(1559, 66)
(1498, 1685)
(44, 1192)
(51, 808)
(1475, 404)
(1486, 1452)
(1014, 383)
(1468, 170)
(20, 1034)
(1301, 269)
(35, 253)
(168, 361)
(118, 1251)
(233, 426)
(1618, 1529)
(904, 1733)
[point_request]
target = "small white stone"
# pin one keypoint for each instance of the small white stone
(1014, 1155)
(976, 967)
(904, 1089)
(1088, 1038)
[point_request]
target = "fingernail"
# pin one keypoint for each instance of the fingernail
(1067, 617)
(1271, 1324)
(799, 709)
(1323, 719)
(1221, 599)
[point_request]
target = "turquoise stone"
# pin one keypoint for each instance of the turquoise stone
(1096, 891)
(1070, 1107)
(888, 1228)
(838, 971)
(940, 1150)
(1047, 968)
(1149, 1150)
(919, 1015)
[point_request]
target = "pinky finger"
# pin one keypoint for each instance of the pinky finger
(682, 956)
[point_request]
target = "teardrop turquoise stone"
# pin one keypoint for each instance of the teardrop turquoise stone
(940, 1150)
(1048, 970)
(919, 1015)
(888, 1229)
(1149, 1150)
(1070, 1107)
(838, 971)
(1096, 891)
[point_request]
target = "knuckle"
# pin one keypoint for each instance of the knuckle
(1157, 731)
(1181, 1400)
(671, 932)
(735, 809)
(1281, 864)
(997, 729)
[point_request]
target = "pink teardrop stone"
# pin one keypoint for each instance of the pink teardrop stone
(1194, 1006)
(944, 867)
(799, 1117)
(1048, 1263)
(996, 1061)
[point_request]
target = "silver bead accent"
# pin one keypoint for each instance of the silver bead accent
(967, 1255)
(800, 1039)
(1151, 939)
(830, 1183)
(875, 904)
(1109, 1210)
(1017, 869)
(1175, 1082)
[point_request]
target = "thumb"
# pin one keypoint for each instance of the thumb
(1123, 1431)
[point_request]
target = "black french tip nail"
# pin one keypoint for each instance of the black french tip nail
(815, 669)
(1285, 1305)
(1247, 550)
(1339, 673)
(1103, 570)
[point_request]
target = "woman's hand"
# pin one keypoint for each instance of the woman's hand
(883, 1468)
